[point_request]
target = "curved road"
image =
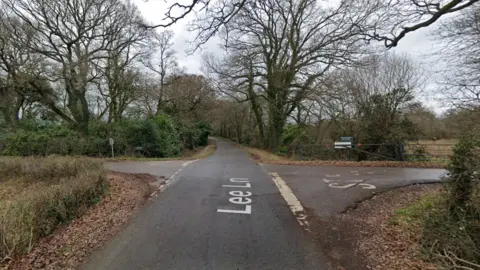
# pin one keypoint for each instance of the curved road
(182, 228)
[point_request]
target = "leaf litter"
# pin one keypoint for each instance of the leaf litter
(70, 245)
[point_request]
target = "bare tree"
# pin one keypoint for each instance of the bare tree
(74, 36)
(277, 50)
(393, 20)
(120, 68)
(162, 63)
(460, 45)
(371, 101)
(17, 67)
(188, 96)
(146, 100)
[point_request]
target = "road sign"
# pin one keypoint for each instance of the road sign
(346, 139)
(111, 141)
(343, 145)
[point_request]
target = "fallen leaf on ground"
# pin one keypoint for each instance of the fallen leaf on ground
(370, 241)
(71, 244)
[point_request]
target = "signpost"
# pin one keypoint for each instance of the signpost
(111, 141)
(345, 143)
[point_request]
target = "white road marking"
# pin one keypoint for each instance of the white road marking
(367, 186)
(354, 171)
(332, 175)
(327, 181)
(247, 211)
(239, 180)
(247, 185)
(239, 197)
(240, 200)
(336, 185)
(292, 201)
(287, 194)
(188, 162)
(240, 193)
(168, 182)
(355, 181)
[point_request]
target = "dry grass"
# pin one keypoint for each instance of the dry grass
(266, 157)
(436, 148)
(205, 152)
(451, 241)
(71, 244)
(39, 194)
(382, 238)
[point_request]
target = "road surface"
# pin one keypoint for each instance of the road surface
(223, 212)
(330, 190)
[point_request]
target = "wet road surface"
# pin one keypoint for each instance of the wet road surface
(330, 190)
(166, 172)
(223, 212)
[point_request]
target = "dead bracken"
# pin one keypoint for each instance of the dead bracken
(70, 245)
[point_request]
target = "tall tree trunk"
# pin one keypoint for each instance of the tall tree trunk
(78, 106)
(11, 109)
(276, 123)
(256, 109)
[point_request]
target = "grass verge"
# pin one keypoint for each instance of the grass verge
(39, 194)
(70, 245)
(371, 237)
(205, 151)
(267, 157)
(452, 240)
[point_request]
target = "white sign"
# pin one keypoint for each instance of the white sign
(110, 140)
(343, 145)
(239, 197)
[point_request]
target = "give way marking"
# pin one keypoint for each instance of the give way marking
(292, 201)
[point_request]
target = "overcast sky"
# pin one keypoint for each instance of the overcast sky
(418, 45)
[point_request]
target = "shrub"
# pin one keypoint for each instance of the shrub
(464, 171)
(418, 153)
(295, 134)
(156, 137)
(204, 130)
(452, 239)
(451, 231)
(167, 135)
(42, 140)
(193, 134)
(39, 194)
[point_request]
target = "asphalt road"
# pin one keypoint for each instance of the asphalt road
(165, 171)
(330, 190)
(183, 229)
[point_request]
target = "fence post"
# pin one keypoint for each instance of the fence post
(400, 149)
(300, 152)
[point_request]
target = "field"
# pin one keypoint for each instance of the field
(433, 148)
(39, 194)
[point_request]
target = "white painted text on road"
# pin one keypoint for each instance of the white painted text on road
(239, 198)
